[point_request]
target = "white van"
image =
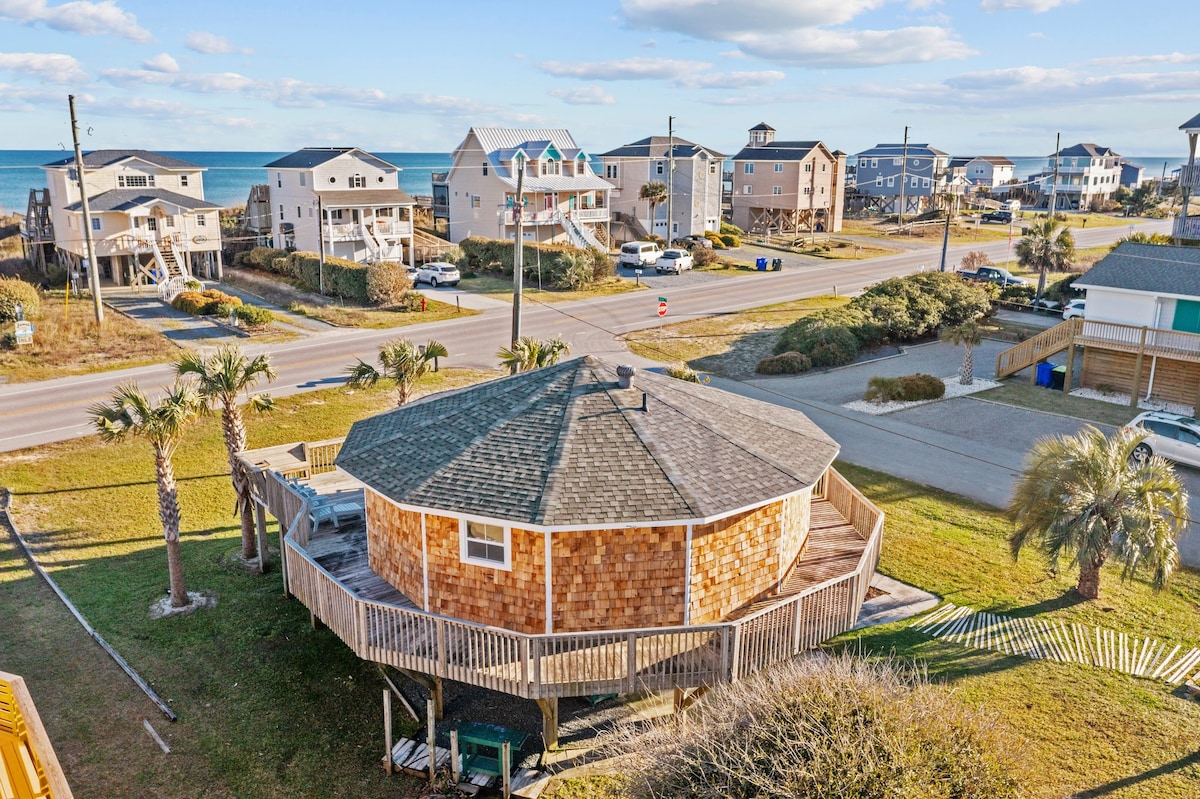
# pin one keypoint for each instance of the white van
(637, 254)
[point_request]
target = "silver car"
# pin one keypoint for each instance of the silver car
(438, 274)
(1174, 437)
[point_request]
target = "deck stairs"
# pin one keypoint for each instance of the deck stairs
(580, 235)
(166, 259)
(1037, 349)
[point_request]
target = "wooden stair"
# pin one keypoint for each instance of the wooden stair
(1037, 349)
(169, 262)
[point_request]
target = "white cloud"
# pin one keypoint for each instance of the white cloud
(1135, 60)
(719, 19)
(847, 48)
(583, 95)
(82, 17)
(730, 80)
(1036, 6)
(50, 67)
(14, 99)
(1037, 35)
(624, 69)
(187, 81)
(161, 63)
(210, 44)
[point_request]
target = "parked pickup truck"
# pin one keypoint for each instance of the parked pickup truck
(992, 274)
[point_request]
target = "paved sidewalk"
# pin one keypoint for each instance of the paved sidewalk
(900, 601)
(177, 326)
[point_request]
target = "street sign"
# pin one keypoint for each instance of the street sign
(24, 332)
(662, 306)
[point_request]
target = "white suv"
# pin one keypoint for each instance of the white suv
(438, 274)
(1072, 309)
(1174, 437)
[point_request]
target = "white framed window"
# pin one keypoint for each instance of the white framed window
(925, 183)
(302, 179)
(281, 212)
(279, 180)
(807, 190)
(879, 180)
(201, 220)
(779, 167)
(151, 224)
(747, 189)
(874, 163)
(134, 181)
(747, 169)
(485, 544)
(658, 167)
(808, 166)
(183, 180)
(777, 189)
(475, 201)
(897, 162)
(712, 168)
(358, 182)
(485, 171)
(915, 181)
(891, 180)
(95, 223)
(170, 220)
(610, 171)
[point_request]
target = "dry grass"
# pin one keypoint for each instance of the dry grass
(73, 345)
(501, 288)
(729, 345)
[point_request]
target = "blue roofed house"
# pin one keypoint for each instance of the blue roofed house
(694, 185)
(564, 200)
(1186, 227)
(1088, 174)
(917, 172)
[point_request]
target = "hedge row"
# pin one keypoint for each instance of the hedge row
(13, 291)
(785, 363)
(562, 266)
(896, 310)
(342, 278)
(210, 302)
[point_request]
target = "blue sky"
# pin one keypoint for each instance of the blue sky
(968, 76)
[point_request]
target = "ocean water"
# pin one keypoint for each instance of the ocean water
(231, 174)
(227, 181)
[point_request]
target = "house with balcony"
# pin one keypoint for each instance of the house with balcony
(908, 178)
(1088, 174)
(787, 187)
(149, 219)
(582, 529)
(991, 172)
(1141, 333)
(563, 200)
(1187, 227)
(691, 173)
(364, 214)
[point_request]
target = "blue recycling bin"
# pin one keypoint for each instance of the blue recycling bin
(761, 263)
(1045, 372)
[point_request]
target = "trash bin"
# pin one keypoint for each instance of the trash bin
(761, 263)
(776, 264)
(1057, 376)
(1044, 370)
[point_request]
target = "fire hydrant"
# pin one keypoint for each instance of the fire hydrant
(422, 305)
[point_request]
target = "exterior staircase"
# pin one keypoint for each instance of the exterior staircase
(166, 260)
(1037, 349)
(579, 235)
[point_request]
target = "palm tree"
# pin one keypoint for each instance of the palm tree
(402, 361)
(968, 334)
(654, 193)
(1086, 497)
(222, 378)
(129, 413)
(1047, 245)
(533, 353)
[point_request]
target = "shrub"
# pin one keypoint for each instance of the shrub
(910, 388)
(13, 291)
(824, 727)
(254, 315)
(343, 278)
(1023, 294)
(189, 302)
(717, 242)
(731, 229)
(730, 240)
(681, 371)
(562, 266)
(410, 301)
(205, 303)
(1062, 290)
(262, 257)
(386, 283)
(785, 363)
(191, 284)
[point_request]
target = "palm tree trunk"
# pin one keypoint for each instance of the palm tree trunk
(967, 375)
(1089, 578)
(235, 442)
(168, 512)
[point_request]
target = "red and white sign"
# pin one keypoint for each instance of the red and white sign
(662, 308)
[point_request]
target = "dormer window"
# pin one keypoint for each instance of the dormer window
(550, 167)
(358, 182)
(135, 181)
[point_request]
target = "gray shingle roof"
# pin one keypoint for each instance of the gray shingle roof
(315, 156)
(1191, 124)
(566, 446)
(762, 126)
(778, 151)
(125, 199)
(1157, 268)
(898, 150)
(658, 146)
(1085, 149)
(101, 158)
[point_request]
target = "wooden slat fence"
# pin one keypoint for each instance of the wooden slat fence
(321, 454)
(579, 663)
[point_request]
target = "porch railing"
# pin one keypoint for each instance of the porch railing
(1186, 228)
(577, 663)
(39, 774)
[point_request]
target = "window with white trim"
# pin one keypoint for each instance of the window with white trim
(777, 189)
(747, 169)
(475, 201)
(779, 167)
(915, 181)
(95, 223)
(658, 167)
(897, 162)
(891, 180)
(808, 166)
(485, 166)
(610, 171)
(879, 180)
(170, 220)
(925, 183)
(747, 189)
(135, 181)
(301, 178)
(485, 544)
(183, 181)
(201, 220)
(806, 191)
(358, 182)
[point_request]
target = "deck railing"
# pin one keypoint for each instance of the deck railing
(576, 663)
(36, 772)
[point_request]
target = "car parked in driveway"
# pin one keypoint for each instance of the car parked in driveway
(675, 261)
(997, 216)
(438, 274)
(1174, 437)
(1073, 308)
(692, 242)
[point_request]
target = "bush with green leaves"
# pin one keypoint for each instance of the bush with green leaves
(261, 257)
(561, 266)
(387, 282)
(1022, 293)
(785, 363)
(254, 315)
(731, 229)
(209, 302)
(681, 371)
(717, 242)
(730, 240)
(14, 291)
(702, 256)
(909, 388)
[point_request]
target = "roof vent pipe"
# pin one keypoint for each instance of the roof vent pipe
(625, 376)
(644, 403)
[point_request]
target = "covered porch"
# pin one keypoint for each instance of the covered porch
(367, 225)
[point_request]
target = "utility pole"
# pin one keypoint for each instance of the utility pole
(93, 267)
(945, 241)
(518, 256)
(903, 177)
(321, 249)
(1054, 185)
(812, 198)
(670, 176)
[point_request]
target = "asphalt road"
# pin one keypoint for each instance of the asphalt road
(55, 410)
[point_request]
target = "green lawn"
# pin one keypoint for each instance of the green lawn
(268, 707)
(1016, 391)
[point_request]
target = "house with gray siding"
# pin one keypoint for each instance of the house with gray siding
(787, 187)
(694, 184)
(916, 172)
